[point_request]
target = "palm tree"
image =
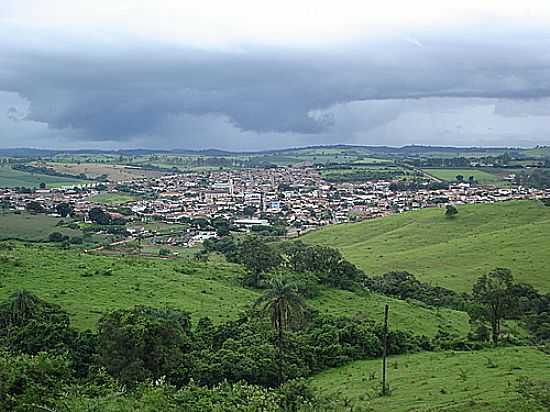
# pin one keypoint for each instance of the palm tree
(21, 306)
(285, 306)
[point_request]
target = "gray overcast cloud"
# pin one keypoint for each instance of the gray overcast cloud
(73, 78)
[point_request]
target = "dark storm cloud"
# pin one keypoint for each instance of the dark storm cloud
(136, 91)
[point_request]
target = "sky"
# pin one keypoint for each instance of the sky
(255, 75)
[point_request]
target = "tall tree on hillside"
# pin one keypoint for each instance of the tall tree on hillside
(494, 299)
(285, 307)
(21, 306)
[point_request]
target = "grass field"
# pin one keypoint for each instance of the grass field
(450, 175)
(405, 316)
(439, 381)
(451, 252)
(16, 178)
(113, 199)
(113, 172)
(26, 226)
(88, 285)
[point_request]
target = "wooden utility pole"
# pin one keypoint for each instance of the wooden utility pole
(384, 389)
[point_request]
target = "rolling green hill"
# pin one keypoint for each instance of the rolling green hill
(438, 381)
(16, 178)
(451, 252)
(32, 227)
(89, 285)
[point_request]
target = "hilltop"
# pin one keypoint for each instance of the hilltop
(450, 252)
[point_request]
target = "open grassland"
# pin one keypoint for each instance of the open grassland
(451, 252)
(438, 381)
(89, 285)
(405, 316)
(481, 176)
(113, 199)
(30, 227)
(16, 178)
(113, 172)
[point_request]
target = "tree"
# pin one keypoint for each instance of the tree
(56, 237)
(64, 209)
(143, 343)
(164, 252)
(494, 299)
(259, 258)
(97, 215)
(325, 262)
(30, 325)
(285, 307)
(35, 207)
(4, 205)
(249, 210)
(451, 211)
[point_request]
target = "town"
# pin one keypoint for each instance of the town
(281, 201)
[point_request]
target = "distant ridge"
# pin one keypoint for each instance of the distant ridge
(408, 149)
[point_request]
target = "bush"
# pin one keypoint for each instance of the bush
(76, 240)
(164, 252)
(57, 237)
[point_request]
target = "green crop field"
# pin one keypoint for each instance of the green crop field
(439, 381)
(16, 178)
(450, 175)
(451, 252)
(88, 285)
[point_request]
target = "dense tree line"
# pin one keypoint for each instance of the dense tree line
(313, 264)
(404, 285)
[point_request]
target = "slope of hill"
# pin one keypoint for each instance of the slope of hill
(438, 381)
(451, 252)
(15, 178)
(87, 286)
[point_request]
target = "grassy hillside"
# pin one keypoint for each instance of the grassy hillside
(442, 381)
(88, 285)
(404, 315)
(16, 178)
(451, 252)
(27, 226)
